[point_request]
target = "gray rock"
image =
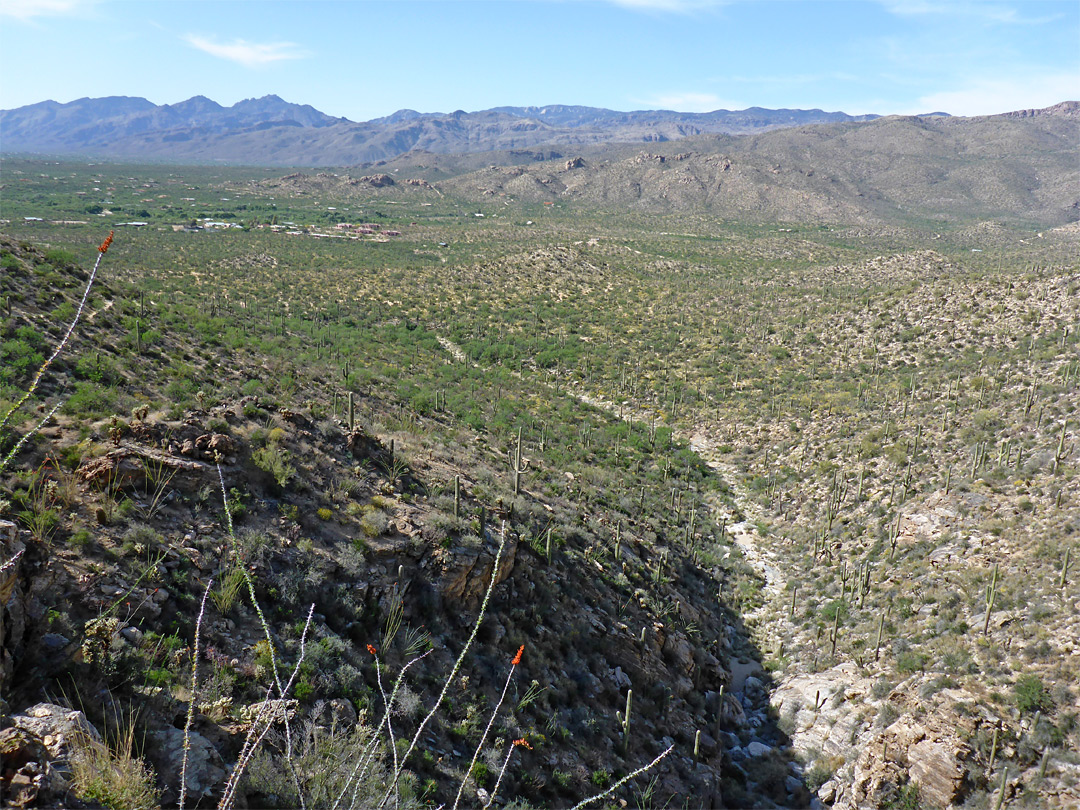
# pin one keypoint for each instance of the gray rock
(757, 748)
(29, 778)
(57, 727)
(205, 768)
(827, 792)
(753, 687)
(338, 713)
(132, 635)
(54, 641)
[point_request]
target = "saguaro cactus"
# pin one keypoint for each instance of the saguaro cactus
(518, 464)
(991, 597)
(1063, 450)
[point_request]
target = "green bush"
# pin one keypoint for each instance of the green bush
(1031, 694)
(21, 355)
(274, 460)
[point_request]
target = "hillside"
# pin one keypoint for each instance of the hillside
(384, 514)
(802, 496)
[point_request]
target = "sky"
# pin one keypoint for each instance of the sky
(362, 60)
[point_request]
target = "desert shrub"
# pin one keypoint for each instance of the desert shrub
(324, 759)
(21, 354)
(1031, 694)
(275, 460)
(374, 523)
(90, 401)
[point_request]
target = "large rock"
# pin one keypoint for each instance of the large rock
(825, 710)
(938, 768)
(36, 751)
(934, 758)
(57, 727)
(374, 180)
(467, 571)
(28, 777)
(205, 773)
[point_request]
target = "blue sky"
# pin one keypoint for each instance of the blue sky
(362, 59)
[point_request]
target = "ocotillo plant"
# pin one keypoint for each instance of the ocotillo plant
(102, 250)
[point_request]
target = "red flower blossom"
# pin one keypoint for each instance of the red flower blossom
(371, 649)
(517, 658)
(108, 241)
(524, 743)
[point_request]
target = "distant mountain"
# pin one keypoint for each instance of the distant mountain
(753, 119)
(1017, 166)
(270, 131)
(902, 170)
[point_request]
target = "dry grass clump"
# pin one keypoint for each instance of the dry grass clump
(112, 773)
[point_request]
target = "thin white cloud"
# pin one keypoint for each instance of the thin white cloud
(993, 96)
(248, 54)
(29, 9)
(788, 80)
(689, 102)
(677, 6)
(1003, 13)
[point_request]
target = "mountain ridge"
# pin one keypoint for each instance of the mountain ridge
(199, 129)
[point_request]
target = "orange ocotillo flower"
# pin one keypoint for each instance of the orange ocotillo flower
(517, 658)
(108, 241)
(371, 649)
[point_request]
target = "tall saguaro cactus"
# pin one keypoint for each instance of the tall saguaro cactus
(518, 464)
(991, 597)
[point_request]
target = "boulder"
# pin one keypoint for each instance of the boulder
(335, 713)
(28, 777)
(205, 772)
(757, 748)
(56, 726)
(374, 180)
(938, 768)
(467, 571)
